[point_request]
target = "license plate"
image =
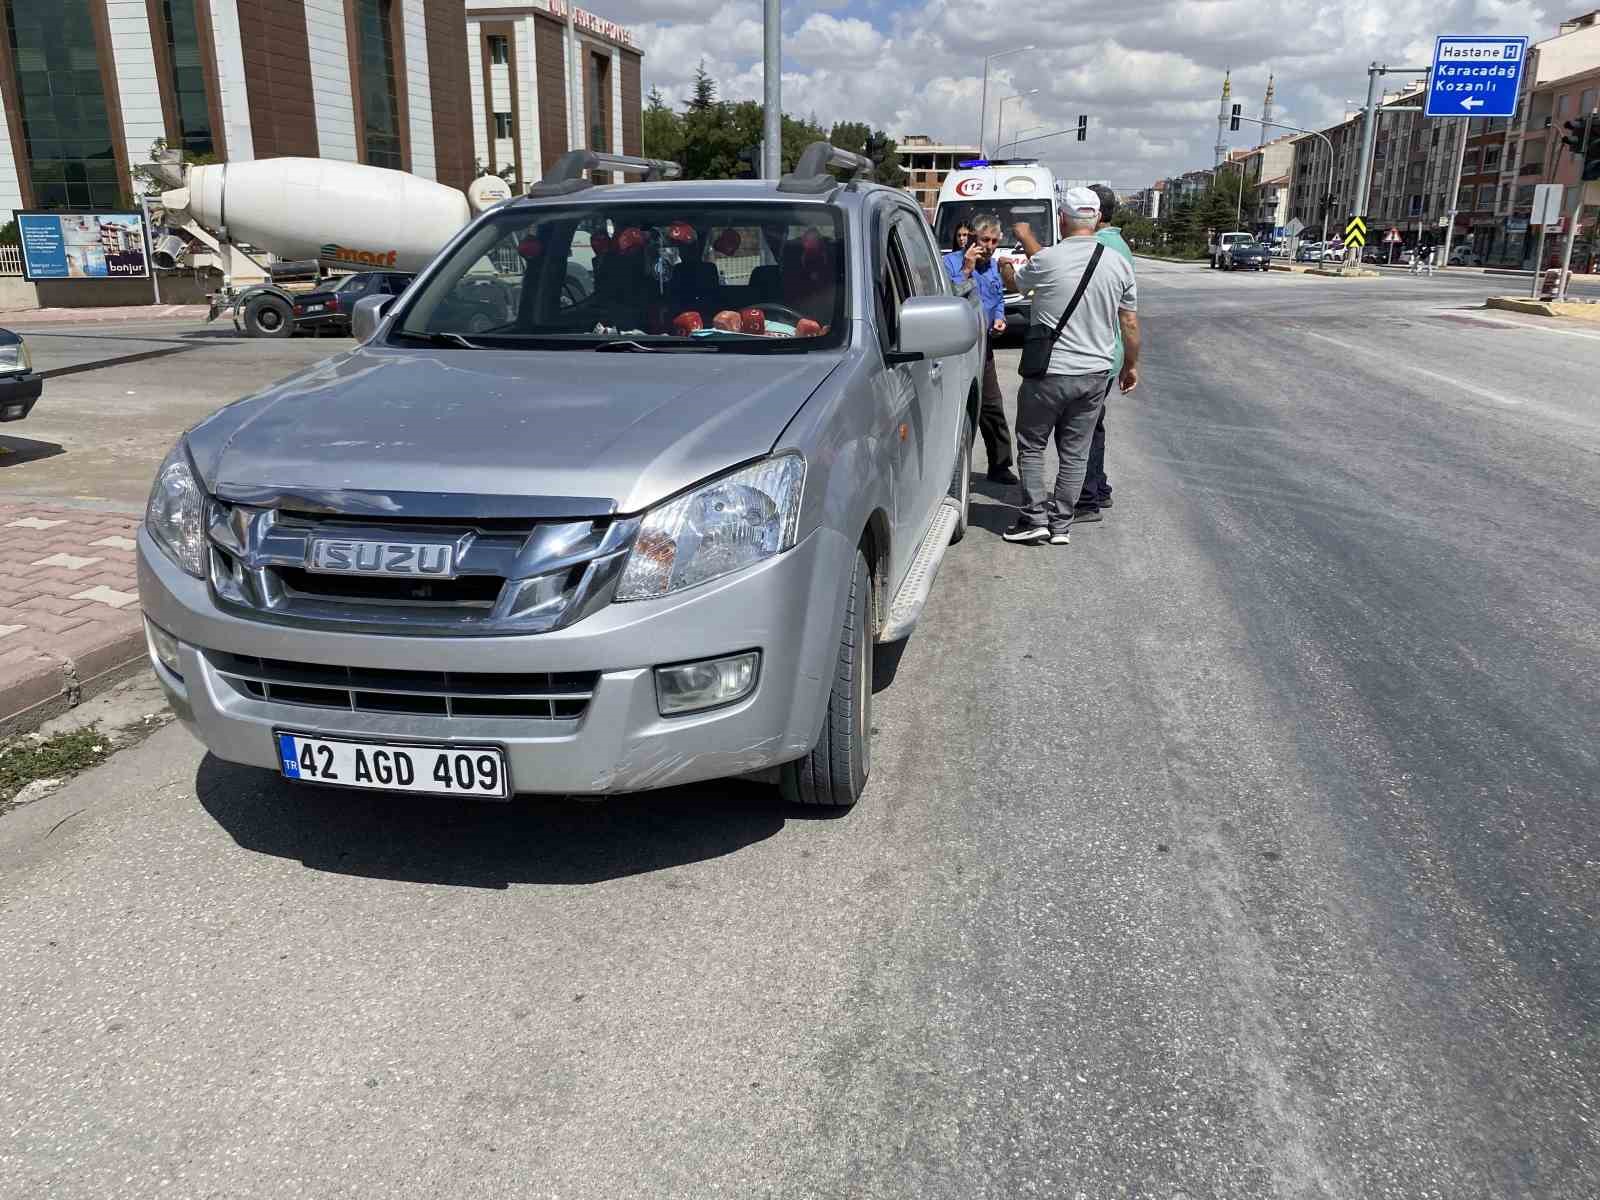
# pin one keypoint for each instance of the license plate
(394, 766)
(311, 308)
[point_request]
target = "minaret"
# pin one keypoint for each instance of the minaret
(1266, 111)
(1222, 117)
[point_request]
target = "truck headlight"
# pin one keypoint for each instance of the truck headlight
(15, 360)
(720, 527)
(175, 515)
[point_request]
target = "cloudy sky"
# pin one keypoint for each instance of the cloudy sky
(1147, 72)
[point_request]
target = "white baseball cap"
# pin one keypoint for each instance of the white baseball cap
(1081, 202)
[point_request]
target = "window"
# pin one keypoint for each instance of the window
(499, 49)
(1563, 105)
(1415, 208)
(1491, 158)
(1586, 103)
(1525, 195)
(927, 272)
(600, 102)
(1434, 139)
(380, 109)
(1486, 197)
(502, 125)
(1505, 196)
(188, 77)
(63, 105)
(1464, 199)
(893, 288)
(1469, 165)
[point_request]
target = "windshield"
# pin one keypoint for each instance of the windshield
(696, 275)
(955, 213)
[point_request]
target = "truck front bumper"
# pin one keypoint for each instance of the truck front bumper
(789, 608)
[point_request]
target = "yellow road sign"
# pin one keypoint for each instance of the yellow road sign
(1355, 233)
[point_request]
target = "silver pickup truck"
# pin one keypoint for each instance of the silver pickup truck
(622, 493)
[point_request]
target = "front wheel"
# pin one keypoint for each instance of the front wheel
(961, 482)
(834, 773)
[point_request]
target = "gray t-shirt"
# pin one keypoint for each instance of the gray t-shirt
(1089, 342)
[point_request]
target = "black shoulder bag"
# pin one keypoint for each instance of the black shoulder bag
(1036, 343)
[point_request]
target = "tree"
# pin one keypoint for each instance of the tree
(851, 136)
(662, 129)
(1138, 230)
(705, 90)
(885, 156)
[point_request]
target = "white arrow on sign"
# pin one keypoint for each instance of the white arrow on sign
(1471, 102)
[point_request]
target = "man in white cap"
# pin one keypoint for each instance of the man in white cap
(1095, 292)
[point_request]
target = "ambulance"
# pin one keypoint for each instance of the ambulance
(1012, 189)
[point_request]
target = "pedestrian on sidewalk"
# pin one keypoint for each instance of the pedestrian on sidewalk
(1081, 296)
(977, 264)
(1096, 494)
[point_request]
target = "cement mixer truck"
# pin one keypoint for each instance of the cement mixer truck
(322, 214)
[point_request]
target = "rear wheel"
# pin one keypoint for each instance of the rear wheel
(961, 482)
(268, 316)
(834, 773)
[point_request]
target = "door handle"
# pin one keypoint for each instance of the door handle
(935, 367)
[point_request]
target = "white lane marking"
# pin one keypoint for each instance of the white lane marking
(1588, 337)
(1457, 384)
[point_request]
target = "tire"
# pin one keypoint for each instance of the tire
(834, 774)
(268, 316)
(961, 482)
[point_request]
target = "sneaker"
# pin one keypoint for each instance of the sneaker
(1003, 475)
(1025, 534)
(1106, 503)
(1060, 539)
(1080, 515)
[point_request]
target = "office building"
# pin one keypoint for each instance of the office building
(926, 163)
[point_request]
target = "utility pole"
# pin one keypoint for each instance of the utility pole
(1369, 131)
(1455, 190)
(771, 91)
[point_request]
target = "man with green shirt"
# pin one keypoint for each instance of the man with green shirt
(1096, 487)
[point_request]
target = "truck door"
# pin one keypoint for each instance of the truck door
(943, 405)
(905, 391)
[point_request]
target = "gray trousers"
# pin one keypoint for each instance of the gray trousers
(1065, 407)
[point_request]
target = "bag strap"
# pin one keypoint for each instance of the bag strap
(1083, 285)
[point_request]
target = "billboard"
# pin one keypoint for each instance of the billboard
(62, 245)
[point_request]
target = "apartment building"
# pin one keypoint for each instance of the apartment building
(526, 111)
(1560, 82)
(1269, 169)
(87, 86)
(926, 163)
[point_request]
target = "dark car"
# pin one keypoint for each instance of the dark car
(329, 308)
(19, 386)
(1249, 256)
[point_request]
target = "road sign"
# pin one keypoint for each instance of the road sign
(1392, 236)
(1546, 204)
(1294, 227)
(1475, 76)
(1355, 233)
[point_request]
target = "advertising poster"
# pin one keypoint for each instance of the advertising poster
(57, 245)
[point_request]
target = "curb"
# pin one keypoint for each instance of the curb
(58, 682)
(1545, 308)
(24, 317)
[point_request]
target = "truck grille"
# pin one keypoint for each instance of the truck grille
(507, 577)
(539, 696)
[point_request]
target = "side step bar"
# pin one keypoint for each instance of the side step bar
(906, 607)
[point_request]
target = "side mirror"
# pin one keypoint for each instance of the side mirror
(936, 327)
(367, 315)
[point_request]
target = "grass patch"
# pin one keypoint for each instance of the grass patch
(27, 758)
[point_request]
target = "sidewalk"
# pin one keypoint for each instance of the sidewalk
(69, 609)
(21, 318)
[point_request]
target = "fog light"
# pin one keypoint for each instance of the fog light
(691, 687)
(11, 412)
(163, 646)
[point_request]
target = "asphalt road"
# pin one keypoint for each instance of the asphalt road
(1244, 848)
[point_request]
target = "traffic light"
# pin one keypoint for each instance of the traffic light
(1583, 139)
(1233, 122)
(1083, 127)
(1573, 138)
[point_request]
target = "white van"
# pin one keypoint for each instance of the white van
(1012, 189)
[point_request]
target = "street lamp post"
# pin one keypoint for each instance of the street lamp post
(1000, 127)
(1018, 138)
(983, 104)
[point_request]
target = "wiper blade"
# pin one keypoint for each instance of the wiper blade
(454, 340)
(629, 346)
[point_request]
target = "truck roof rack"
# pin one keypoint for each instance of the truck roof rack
(568, 173)
(811, 172)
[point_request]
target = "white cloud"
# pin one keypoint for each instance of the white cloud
(1147, 72)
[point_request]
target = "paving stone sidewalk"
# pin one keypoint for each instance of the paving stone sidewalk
(69, 608)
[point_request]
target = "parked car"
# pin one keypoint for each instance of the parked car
(647, 538)
(1464, 256)
(330, 307)
(19, 386)
(1309, 252)
(1247, 256)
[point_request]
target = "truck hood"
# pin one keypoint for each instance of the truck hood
(509, 432)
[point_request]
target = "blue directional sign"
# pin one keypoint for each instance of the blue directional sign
(1475, 76)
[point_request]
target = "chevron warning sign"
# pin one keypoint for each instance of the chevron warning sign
(1355, 233)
